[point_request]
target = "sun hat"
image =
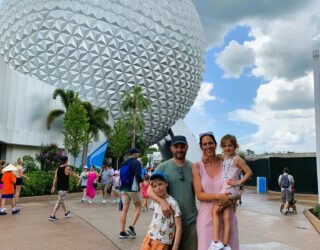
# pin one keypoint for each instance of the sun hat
(179, 139)
(84, 167)
(8, 168)
(116, 172)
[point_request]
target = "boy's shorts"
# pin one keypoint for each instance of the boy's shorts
(7, 196)
(126, 197)
(149, 244)
(83, 187)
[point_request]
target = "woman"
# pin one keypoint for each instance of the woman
(207, 181)
(92, 178)
(19, 175)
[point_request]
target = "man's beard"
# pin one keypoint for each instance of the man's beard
(180, 156)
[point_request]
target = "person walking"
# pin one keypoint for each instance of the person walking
(61, 179)
(19, 180)
(83, 181)
(106, 179)
(286, 183)
(91, 183)
(179, 173)
(130, 177)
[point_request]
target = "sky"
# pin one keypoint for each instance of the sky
(258, 79)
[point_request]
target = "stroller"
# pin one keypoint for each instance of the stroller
(292, 205)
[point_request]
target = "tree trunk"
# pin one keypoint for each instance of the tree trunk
(133, 141)
(117, 163)
(85, 152)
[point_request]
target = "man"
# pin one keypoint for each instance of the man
(286, 182)
(179, 173)
(61, 179)
(130, 175)
(106, 176)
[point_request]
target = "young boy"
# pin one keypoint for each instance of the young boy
(162, 230)
(8, 180)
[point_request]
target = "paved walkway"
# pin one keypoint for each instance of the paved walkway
(96, 226)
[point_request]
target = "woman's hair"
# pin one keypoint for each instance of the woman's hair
(19, 161)
(210, 134)
(229, 138)
(2, 163)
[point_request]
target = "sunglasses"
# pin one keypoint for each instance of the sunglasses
(180, 172)
(206, 133)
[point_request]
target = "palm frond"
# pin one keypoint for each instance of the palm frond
(54, 114)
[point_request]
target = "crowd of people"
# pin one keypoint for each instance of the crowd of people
(170, 191)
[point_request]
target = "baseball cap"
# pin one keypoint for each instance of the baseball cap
(179, 139)
(133, 151)
(160, 175)
(84, 167)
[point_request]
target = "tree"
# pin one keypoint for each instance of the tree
(98, 121)
(119, 140)
(134, 103)
(75, 125)
(49, 157)
(67, 97)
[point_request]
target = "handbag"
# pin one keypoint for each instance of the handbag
(135, 185)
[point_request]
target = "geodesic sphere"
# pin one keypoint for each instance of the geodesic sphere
(102, 48)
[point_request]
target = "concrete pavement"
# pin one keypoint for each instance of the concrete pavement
(96, 226)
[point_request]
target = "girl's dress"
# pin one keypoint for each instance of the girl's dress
(204, 219)
(91, 191)
(144, 189)
(230, 171)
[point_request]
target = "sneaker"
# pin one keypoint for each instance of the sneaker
(15, 211)
(131, 232)
(3, 213)
(216, 245)
(52, 218)
(227, 247)
(90, 201)
(286, 211)
(103, 201)
(115, 202)
(123, 235)
(67, 214)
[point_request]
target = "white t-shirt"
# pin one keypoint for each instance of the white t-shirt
(291, 180)
(161, 228)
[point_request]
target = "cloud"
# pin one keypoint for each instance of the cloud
(203, 96)
(234, 58)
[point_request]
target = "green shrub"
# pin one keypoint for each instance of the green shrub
(40, 183)
(316, 210)
(30, 164)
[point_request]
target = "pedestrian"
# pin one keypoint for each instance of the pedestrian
(106, 176)
(208, 182)
(233, 165)
(19, 181)
(144, 192)
(83, 182)
(286, 183)
(110, 168)
(2, 165)
(92, 183)
(61, 184)
(130, 177)
(116, 187)
(163, 231)
(8, 179)
(179, 173)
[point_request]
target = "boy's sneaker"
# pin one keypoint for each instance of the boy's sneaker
(67, 214)
(15, 211)
(123, 235)
(131, 232)
(3, 213)
(286, 211)
(216, 245)
(103, 201)
(52, 218)
(227, 247)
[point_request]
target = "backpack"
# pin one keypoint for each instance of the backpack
(284, 182)
(126, 174)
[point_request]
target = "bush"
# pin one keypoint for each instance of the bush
(40, 183)
(49, 157)
(316, 210)
(29, 164)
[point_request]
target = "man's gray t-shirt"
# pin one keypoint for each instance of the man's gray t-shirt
(181, 190)
(105, 176)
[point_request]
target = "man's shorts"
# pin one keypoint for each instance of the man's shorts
(128, 196)
(286, 195)
(7, 196)
(149, 244)
(62, 195)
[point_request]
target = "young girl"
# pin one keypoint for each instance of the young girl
(19, 175)
(232, 167)
(144, 192)
(116, 187)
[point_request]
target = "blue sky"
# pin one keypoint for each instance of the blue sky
(258, 82)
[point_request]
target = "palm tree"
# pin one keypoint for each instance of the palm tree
(134, 103)
(98, 121)
(67, 97)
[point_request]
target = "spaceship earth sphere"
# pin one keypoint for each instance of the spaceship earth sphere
(102, 48)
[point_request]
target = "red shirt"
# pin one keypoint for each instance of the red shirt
(8, 180)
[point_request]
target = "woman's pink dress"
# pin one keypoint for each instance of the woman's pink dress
(91, 191)
(204, 219)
